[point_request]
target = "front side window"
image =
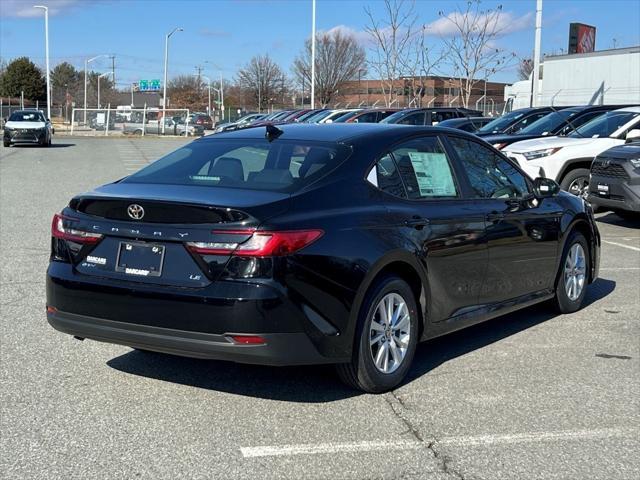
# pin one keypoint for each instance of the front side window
(425, 169)
(490, 175)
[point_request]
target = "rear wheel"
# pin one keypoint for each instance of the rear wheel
(576, 182)
(6, 143)
(573, 276)
(385, 339)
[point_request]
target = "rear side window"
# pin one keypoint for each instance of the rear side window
(425, 169)
(283, 166)
(386, 177)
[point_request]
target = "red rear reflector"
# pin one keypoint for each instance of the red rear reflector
(248, 339)
(58, 230)
(260, 244)
(51, 309)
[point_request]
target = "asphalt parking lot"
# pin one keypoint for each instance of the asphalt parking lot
(529, 395)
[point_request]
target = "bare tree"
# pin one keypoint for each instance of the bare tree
(339, 58)
(420, 62)
(393, 39)
(472, 49)
(525, 67)
(263, 80)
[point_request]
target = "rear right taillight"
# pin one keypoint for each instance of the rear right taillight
(259, 244)
(66, 232)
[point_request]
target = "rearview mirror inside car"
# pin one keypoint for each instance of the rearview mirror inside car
(545, 187)
(633, 135)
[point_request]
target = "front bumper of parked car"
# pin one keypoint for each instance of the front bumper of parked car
(616, 188)
(25, 135)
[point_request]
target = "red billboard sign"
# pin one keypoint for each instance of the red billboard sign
(582, 38)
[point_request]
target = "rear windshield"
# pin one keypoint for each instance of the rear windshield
(279, 166)
(26, 117)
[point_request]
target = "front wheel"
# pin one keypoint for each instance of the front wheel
(571, 286)
(6, 143)
(576, 182)
(385, 339)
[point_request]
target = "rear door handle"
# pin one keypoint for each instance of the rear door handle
(494, 216)
(417, 222)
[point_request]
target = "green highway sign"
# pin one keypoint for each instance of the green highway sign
(149, 85)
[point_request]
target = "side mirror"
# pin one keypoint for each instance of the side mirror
(545, 187)
(633, 135)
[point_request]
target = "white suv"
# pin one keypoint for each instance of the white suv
(567, 160)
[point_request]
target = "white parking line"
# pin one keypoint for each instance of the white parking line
(622, 245)
(464, 441)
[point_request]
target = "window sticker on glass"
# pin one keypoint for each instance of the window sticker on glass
(433, 174)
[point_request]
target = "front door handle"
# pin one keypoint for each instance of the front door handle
(494, 216)
(417, 222)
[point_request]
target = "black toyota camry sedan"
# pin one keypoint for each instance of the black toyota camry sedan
(344, 244)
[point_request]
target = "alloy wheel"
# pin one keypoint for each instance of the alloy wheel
(389, 333)
(579, 187)
(575, 272)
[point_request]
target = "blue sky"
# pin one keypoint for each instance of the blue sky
(225, 34)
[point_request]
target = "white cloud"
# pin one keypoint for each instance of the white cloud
(361, 36)
(505, 23)
(24, 8)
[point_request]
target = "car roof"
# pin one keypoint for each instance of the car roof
(332, 132)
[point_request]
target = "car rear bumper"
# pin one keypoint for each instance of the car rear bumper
(191, 322)
(622, 194)
(279, 348)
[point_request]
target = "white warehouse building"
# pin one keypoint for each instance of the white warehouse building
(596, 78)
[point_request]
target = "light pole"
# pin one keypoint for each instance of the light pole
(46, 48)
(313, 54)
(208, 90)
(222, 96)
(106, 74)
(166, 61)
(86, 66)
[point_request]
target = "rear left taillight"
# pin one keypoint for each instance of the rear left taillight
(259, 244)
(59, 230)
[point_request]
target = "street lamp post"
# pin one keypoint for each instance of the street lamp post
(106, 74)
(86, 66)
(166, 61)
(46, 48)
(208, 91)
(313, 54)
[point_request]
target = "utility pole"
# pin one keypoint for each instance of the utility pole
(46, 44)
(535, 75)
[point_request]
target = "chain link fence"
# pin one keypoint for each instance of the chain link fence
(148, 121)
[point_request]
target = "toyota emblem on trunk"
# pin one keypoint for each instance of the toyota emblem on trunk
(135, 211)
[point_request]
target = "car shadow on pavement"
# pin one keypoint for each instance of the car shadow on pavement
(435, 352)
(53, 145)
(320, 384)
(612, 218)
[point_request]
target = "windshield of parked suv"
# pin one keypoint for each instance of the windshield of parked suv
(279, 166)
(500, 123)
(548, 123)
(604, 125)
(26, 117)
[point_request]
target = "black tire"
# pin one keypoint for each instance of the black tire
(576, 181)
(361, 373)
(6, 144)
(563, 302)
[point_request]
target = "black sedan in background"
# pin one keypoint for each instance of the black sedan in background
(513, 122)
(344, 244)
(428, 116)
(560, 122)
